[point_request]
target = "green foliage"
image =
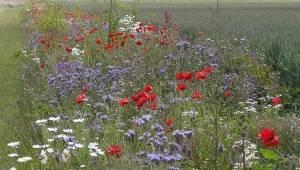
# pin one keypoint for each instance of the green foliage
(269, 154)
(51, 20)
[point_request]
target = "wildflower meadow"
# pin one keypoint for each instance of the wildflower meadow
(105, 85)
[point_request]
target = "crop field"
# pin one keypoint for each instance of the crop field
(150, 85)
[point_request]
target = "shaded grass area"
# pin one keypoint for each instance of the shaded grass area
(10, 45)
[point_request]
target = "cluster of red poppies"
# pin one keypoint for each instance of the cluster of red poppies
(141, 98)
(188, 76)
(114, 150)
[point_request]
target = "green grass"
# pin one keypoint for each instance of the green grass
(10, 44)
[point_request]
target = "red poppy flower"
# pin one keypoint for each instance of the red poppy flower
(108, 47)
(200, 75)
(139, 43)
(42, 66)
(80, 38)
(227, 93)
(184, 75)
(169, 122)
(42, 41)
(152, 96)
(80, 99)
(141, 101)
(148, 88)
(196, 95)
(181, 87)
(69, 49)
(151, 28)
(122, 43)
(134, 98)
(187, 75)
(268, 137)
(66, 38)
(98, 41)
(123, 102)
(143, 94)
(208, 69)
(276, 100)
(92, 30)
(179, 76)
(132, 36)
(114, 150)
(153, 106)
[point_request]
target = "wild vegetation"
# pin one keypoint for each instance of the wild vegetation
(113, 87)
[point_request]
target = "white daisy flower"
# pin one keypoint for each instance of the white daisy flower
(24, 159)
(93, 154)
(68, 130)
(36, 146)
(14, 144)
(50, 150)
(80, 120)
(54, 119)
(50, 140)
(13, 155)
(54, 129)
(41, 121)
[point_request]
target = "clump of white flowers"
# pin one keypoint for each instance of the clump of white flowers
(95, 150)
(191, 113)
(127, 24)
(250, 151)
(76, 51)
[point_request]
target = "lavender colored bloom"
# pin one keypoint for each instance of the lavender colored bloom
(144, 136)
(147, 117)
(143, 120)
(162, 71)
(158, 128)
(188, 133)
(175, 147)
(154, 157)
(130, 134)
(183, 45)
(199, 49)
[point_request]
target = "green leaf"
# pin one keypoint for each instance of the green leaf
(269, 154)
